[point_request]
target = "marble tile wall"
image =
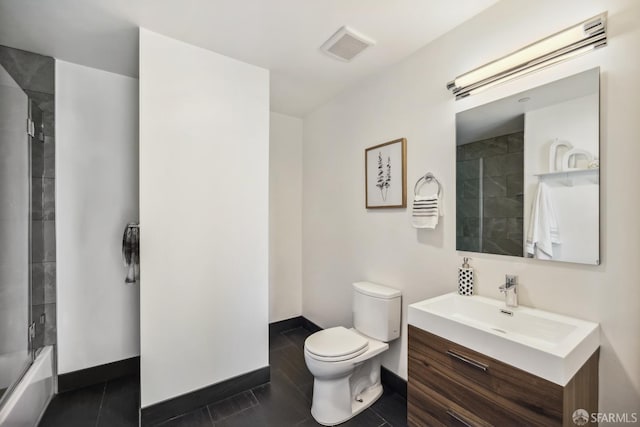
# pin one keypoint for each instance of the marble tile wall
(35, 75)
(501, 204)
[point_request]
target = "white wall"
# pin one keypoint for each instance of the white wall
(204, 194)
(576, 205)
(285, 217)
(343, 242)
(96, 196)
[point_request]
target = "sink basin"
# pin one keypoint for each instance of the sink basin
(545, 344)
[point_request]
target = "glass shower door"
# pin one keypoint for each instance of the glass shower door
(469, 203)
(15, 313)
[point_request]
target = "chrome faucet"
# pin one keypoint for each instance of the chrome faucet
(510, 289)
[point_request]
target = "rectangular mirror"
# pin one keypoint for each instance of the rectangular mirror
(527, 173)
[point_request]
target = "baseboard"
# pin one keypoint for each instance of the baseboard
(179, 405)
(309, 325)
(391, 381)
(292, 323)
(98, 374)
(285, 325)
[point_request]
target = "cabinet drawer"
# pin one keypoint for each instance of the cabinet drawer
(443, 365)
(427, 408)
(482, 403)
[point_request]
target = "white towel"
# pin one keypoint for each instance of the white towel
(426, 210)
(543, 227)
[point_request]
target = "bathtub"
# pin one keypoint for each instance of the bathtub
(30, 397)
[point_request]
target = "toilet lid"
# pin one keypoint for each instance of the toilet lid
(337, 342)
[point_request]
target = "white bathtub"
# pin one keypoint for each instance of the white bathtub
(30, 398)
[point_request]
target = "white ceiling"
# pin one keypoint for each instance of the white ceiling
(281, 35)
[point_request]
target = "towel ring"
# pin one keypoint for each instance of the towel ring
(428, 178)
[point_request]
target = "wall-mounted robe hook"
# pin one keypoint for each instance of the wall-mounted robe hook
(131, 251)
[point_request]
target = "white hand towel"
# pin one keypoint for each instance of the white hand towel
(426, 210)
(543, 227)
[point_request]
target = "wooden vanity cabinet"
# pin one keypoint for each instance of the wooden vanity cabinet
(451, 385)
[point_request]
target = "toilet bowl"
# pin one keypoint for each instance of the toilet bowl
(345, 362)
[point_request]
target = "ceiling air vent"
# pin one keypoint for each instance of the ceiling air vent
(346, 44)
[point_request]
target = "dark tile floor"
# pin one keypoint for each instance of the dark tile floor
(113, 403)
(284, 402)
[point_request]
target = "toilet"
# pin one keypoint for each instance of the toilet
(345, 362)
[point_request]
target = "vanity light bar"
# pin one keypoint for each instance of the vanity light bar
(581, 38)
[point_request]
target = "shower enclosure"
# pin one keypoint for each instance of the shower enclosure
(489, 194)
(27, 234)
(16, 352)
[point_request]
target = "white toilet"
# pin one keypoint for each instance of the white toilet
(346, 362)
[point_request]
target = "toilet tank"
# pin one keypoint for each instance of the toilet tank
(376, 310)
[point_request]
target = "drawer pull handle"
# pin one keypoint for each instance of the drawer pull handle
(468, 361)
(462, 420)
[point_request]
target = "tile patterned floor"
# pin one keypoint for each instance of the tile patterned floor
(284, 402)
(114, 403)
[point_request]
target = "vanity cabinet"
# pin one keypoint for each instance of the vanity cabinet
(451, 385)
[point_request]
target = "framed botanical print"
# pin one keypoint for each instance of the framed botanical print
(386, 175)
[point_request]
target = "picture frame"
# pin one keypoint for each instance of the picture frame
(386, 175)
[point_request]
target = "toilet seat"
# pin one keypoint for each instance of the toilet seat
(335, 344)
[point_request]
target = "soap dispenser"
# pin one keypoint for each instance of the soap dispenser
(465, 278)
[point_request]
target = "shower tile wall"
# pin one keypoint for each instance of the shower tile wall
(35, 74)
(502, 195)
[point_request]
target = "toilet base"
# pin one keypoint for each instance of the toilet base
(343, 389)
(361, 402)
(368, 398)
